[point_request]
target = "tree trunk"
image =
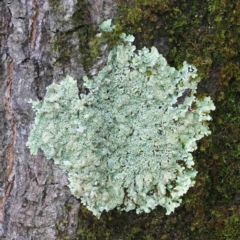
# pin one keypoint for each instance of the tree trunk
(41, 42)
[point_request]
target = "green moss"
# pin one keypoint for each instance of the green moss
(210, 202)
(231, 221)
(54, 4)
(60, 46)
(68, 207)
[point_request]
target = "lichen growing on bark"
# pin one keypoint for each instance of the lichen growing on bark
(128, 143)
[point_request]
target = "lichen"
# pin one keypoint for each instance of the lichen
(128, 143)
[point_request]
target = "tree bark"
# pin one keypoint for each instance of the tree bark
(35, 202)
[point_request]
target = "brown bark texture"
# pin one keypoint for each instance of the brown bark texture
(33, 191)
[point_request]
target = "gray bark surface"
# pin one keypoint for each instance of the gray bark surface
(35, 202)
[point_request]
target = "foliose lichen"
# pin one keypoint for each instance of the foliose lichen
(128, 142)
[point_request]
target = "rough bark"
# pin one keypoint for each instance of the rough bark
(35, 202)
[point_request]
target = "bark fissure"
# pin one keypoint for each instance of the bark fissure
(9, 175)
(34, 25)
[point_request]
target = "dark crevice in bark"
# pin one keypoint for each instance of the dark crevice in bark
(9, 127)
(37, 79)
(9, 174)
(70, 31)
(33, 32)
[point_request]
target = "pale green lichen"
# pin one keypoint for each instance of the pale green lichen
(107, 26)
(128, 143)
